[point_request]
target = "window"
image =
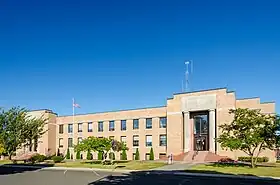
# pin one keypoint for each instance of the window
(149, 140)
(80, 127)
(112, 137)
(162, 156)
(133, 156)
(147, 157)
(162, 122)
(135, 140)
(149, 123)
(123, 124)
(80, 139)
(70, 142)
(70, 128)
(162, 140)
(60, 129)
(111, 125)
(89, 127)
(123, 139)
(136, 124)
(100, 126)
(60, 142)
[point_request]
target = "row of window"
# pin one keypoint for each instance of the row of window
(149, 140)
(149, 125)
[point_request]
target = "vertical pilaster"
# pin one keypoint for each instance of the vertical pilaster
(212, 128)
(187, 131)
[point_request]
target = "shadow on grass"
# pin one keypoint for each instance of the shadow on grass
(168, 177)
(7, 169)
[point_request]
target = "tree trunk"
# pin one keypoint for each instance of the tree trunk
(252, 161)
(10, 156)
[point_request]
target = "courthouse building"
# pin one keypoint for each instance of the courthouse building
(187, 123)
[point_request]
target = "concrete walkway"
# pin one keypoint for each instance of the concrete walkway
(175, 166)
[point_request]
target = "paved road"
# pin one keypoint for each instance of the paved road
(12, 176)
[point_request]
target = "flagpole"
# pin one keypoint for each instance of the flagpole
(73, 107)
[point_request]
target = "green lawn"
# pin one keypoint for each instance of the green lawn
(270, 170)
(5, 162)
(132, 165)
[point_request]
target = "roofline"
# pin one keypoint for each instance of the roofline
(114, 111)
(249, 98)
(46, 110)
(267, 102)
(203, 90)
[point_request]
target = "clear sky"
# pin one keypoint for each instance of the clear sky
(113, 55)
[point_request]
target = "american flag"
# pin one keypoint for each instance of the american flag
(76, 105)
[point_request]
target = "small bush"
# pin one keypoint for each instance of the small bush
(89, 156)
(68, 154)
(100, 156)
(112, 156)
(38, 158)
(57, 159)
(94, 162)
(78, 155)
(226, 160)
(248, 159)
(137, 155)
(278, 161)
(152, 157)
(124, 156)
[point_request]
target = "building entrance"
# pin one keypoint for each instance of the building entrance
(201, 131)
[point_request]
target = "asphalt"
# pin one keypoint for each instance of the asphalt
(22, 176)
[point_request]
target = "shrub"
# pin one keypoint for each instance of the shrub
(152, 157)
(248, 159)
(57, 159)
(78, 155)
(124, 156)
(93, 162)
(278, 161)
(68, 154)
(112, 156)
(137, 155)
(226, 160)
(100, 156)
(89, 156)
(38, 158)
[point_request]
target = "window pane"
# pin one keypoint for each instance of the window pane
(112, 137)
(90, 127)
(70, 128)
(162, 140)
(100, 126)
(80, 127)
(149, 124)
(60, 142)
(149, 140)
(136, 124)
(123, 139)
(135, 140)
(111, 125)
(61, 129)
(70, 142)
(123, 124)
(162, 122)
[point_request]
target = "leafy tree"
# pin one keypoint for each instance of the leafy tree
(78, 155)
(137, 155)
(152, 157)
(89, 156)
(124, 155)
(68, 154)
(250, 131)
(100, 155)
(2, 150)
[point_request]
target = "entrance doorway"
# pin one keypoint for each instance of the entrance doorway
(201, 131)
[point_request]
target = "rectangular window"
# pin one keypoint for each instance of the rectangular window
(70, 128)
(149, 140)
(123, 124)
(147, 157)
(123, 139)
(162, 155)
(149, 123)
(111, 125)
(70, 142)
(80, 140)
(136, 140)
(89, 127)
(162, 140)
(136, 124)
(162, 122)
(60, 142)
(80, 127)
(100, 126)
(60, 129)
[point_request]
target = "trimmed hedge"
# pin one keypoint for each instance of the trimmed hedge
(38, 158)
(248, 159)
(57, 159)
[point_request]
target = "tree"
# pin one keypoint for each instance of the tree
(137, 155)
(89, 156)
(250, 131)
(2, 150)
(78, 155)
(152, 157)
(68, 154)
(123, 156)
(100, 155)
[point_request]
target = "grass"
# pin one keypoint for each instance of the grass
(5, 162)
(269, 170)
(131, 165)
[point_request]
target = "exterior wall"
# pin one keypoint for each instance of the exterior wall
(216, 101)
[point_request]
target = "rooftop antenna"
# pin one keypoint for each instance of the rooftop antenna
(187, 74)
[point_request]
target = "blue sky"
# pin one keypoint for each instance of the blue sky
(113, 55)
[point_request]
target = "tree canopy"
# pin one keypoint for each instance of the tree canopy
(250, 131)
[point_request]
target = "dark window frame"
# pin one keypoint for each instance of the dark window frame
(60, 129)
(70, 129)
(70, 139)
(112, 123)
(135, 142)
(147, 121)
(90, 123)
(135, 121)
(123, 128)
(100, 126)
(80, 124)
(160, 141)
(162, 125)
(60, 145)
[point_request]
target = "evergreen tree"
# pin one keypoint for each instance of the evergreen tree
(68, 154)
(89, 157)
(100, 155)
(78, 155)
(137, 155)
(152, 157)
(124, 156)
